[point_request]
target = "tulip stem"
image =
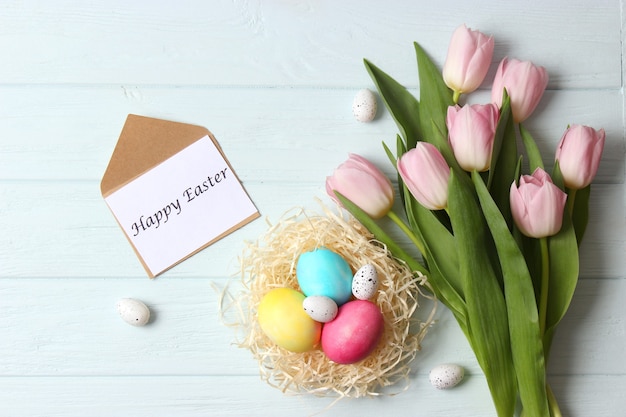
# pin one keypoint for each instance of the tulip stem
(571, 198)
(555, 411)
(394, 217)
(455, 96)
(545, 283)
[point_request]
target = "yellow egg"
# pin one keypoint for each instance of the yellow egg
(283, 319)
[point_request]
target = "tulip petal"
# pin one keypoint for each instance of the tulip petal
(525, 84)
(468, 59)
(579, 152)
(425, 173)
(537, 205)
(362, 182)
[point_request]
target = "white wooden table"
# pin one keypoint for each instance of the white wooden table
(274, 82)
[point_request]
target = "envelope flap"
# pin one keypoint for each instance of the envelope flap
(143, 144)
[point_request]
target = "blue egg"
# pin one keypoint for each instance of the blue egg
(324, 272)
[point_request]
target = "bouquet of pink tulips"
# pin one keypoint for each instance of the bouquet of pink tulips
(499, 246)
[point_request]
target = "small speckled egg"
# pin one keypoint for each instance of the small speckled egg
(446, 375)
(133, 311)
(284, 321)
(324, 272)
(364, 106)
(354, 333)
(320, 308)
(365, 282)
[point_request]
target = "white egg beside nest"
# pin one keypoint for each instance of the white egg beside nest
(133, 312)
(446, 375)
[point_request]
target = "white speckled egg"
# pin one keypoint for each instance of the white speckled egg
(364, 106)
(446, 375)
(320, 308)
(133, 311)
(365, 282)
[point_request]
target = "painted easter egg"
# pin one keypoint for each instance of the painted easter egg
(364, 106)
(324, 272)
(365, 282)
(284, 321)
(133, 311)
(320, 308)
(354, 333)
(446, 375)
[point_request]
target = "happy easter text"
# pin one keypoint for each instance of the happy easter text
(175, 207)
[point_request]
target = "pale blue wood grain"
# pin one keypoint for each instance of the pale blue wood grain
(75, 235)
(69, 327)
(306, 132)
(274, 82)
(244, 396)
(294, 43)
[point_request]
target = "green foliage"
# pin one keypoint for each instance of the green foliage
(401, 104)
(526, 340)
(486, 306)
(507, 292)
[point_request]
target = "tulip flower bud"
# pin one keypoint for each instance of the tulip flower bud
(525, 84)
(425, 173)
(537, 205)
(468, 60)
(361, 182)
(471, 131)
(579, 153)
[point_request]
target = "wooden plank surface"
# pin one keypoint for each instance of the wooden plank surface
(274, 82)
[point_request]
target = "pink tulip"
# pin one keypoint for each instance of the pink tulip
(537, 205)
(425, 173)
(525, 84)
(361, 182)
(471, 131)
(579, 153)
(468, 60)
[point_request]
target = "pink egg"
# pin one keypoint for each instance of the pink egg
(354, 333)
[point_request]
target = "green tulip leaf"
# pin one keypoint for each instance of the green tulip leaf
(486, 307)
(532, 253)
(435, 96)
(564, 270)
(390, 155)
(580, 210)
(400, 146)
(394, 161)
(503, 172)
(402, 105)
(440, 243)
(526, 344)
(557, 176)
(409, 204)
(534, 156)
(503, 133)
(442, 275)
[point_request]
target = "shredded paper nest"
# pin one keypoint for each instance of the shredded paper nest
(271, 262)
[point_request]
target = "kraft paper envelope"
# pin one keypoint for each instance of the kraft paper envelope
(172, 191)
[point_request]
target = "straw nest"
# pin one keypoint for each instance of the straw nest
(271, 262)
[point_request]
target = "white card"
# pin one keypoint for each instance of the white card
(180, 206)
